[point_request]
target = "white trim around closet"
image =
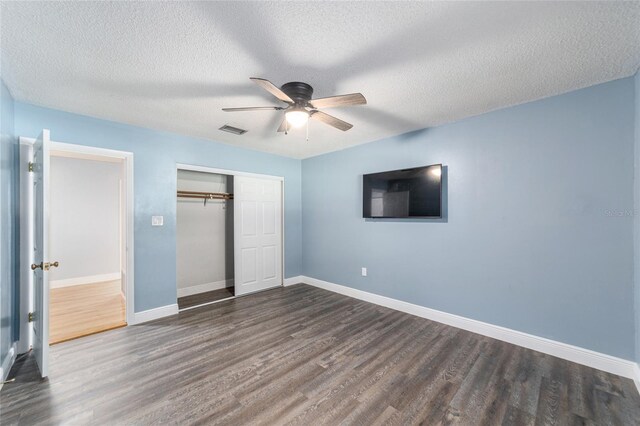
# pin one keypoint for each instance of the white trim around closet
(205, 169)
(194, 168)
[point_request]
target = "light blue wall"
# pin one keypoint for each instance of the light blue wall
(155, 157)
(8, 218)
(539, 231)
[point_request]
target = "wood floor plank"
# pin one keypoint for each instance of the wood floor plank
(517, 417)
(301, 355)
(85, 309)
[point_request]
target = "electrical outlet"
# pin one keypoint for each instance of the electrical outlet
(364, 272)
(157, 220)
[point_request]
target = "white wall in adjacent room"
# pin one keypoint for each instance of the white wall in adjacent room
(204, 235)
(84, 219)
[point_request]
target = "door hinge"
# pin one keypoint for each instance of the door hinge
(30, 166)
(30, 316)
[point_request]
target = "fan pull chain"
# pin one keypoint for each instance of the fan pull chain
(307, 130)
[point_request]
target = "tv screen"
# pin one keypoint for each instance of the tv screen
(403, 193)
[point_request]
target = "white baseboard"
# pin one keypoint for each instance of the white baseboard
(7, 363)
(201, 288)
(156, 313)
(293, 280)
(597, 360)
(91, 279)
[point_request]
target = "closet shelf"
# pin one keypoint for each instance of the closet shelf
(205, 195)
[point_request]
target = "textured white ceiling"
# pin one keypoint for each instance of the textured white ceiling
(173, 66)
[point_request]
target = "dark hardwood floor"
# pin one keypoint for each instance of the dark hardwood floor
(304, 356)
(206, 297)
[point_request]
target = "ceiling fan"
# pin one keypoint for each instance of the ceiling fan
(300, 105)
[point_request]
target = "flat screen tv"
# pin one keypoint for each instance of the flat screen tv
(403, 193)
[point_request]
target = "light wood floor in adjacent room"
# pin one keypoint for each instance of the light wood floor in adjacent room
(81, 310)
(304, 356)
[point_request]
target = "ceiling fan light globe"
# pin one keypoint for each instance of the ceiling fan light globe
(297, 118)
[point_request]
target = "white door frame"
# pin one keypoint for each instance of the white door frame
(101, 154)
(196, 168)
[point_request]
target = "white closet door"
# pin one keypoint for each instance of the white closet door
(257, 233)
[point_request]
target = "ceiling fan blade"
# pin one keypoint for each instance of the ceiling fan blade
(272, 88)
(283, 126)
(331, 120)
(339, 101)
(269, 108)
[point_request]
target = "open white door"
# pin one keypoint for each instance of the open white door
(40, 252)
(257, 220)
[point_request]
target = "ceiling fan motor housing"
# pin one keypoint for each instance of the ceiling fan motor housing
(300, 92)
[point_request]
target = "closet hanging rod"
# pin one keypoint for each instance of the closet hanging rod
(205, 195)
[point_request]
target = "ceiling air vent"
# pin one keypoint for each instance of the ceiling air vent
(234, 130)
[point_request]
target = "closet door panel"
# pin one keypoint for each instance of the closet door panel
(249, 219)
(269, 218)
(269, 266)
(249, 260)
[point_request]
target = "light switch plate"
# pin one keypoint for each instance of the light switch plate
(364, 272)
(157, 220)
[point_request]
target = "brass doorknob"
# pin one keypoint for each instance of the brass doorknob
(48, 265)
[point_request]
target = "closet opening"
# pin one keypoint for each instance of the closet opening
(204, 238)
